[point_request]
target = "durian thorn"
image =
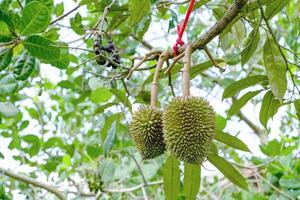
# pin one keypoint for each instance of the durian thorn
(158, 68)
(186, 71)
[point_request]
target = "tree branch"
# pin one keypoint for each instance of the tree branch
(64, 15)
(33, 182)
(259, 132)
(217, 28)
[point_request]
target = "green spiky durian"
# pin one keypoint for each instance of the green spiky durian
(146, 131)
(189, 127)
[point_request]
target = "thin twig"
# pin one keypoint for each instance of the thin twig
(212, 59)
(34, 182)
(64, 15)
(175, 60)
(100, 23)
(274, 187)
(20, 4)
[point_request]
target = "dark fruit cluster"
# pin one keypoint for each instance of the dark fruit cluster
(109, 50)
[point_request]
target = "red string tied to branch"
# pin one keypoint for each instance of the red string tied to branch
(181, 28)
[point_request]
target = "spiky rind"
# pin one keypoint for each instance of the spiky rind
(146, 131)
(189, 127)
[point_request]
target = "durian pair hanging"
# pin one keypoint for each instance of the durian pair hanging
(185, 129)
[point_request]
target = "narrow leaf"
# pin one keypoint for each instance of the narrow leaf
(35, 18)
(268, 108)
(192, 181)
(276, 69)
(201, 67)
(171, 177)
(251, 46)
(231, 141)
(110, 138)
(237, 86)
(228, 171)
(275, 7)
(241, 102)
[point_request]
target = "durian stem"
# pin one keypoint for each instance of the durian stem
(186, 71)
(158, 68)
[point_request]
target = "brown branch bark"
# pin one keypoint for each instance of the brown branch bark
(33, 182)
(216, 29)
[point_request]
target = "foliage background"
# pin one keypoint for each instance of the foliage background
(64, 119)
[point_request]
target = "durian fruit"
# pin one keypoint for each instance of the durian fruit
(146, 131)
(189, 128)
(146, 125)
(188, 122)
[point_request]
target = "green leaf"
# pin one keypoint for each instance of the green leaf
(24, 67)
(268, 108)
(272, 148)
(59, 9)
(93, 150)
(290, 182)
(6, 18)
(100, 95)
(237, 86)
(220, 122)
(241, 102)
(8, 84)
(48, 3)
(201, 67)
(76, 24)
(7, 109)
(111, 137)
(107, 170)
(5, 58)
(231, 141)
(35, 18)
(297, 108)
(64, 59)
(42, 48)
(107, 125)
(53, 142)
(275, 7)
(228, 171)
(276, 69)
(66, 84)
(192, 181)
(121, 96)
(66, 160)
(251, 46)
(171, 177)
(34, 145)
(138, 9)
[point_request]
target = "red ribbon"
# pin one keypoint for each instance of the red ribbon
(181, 28)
